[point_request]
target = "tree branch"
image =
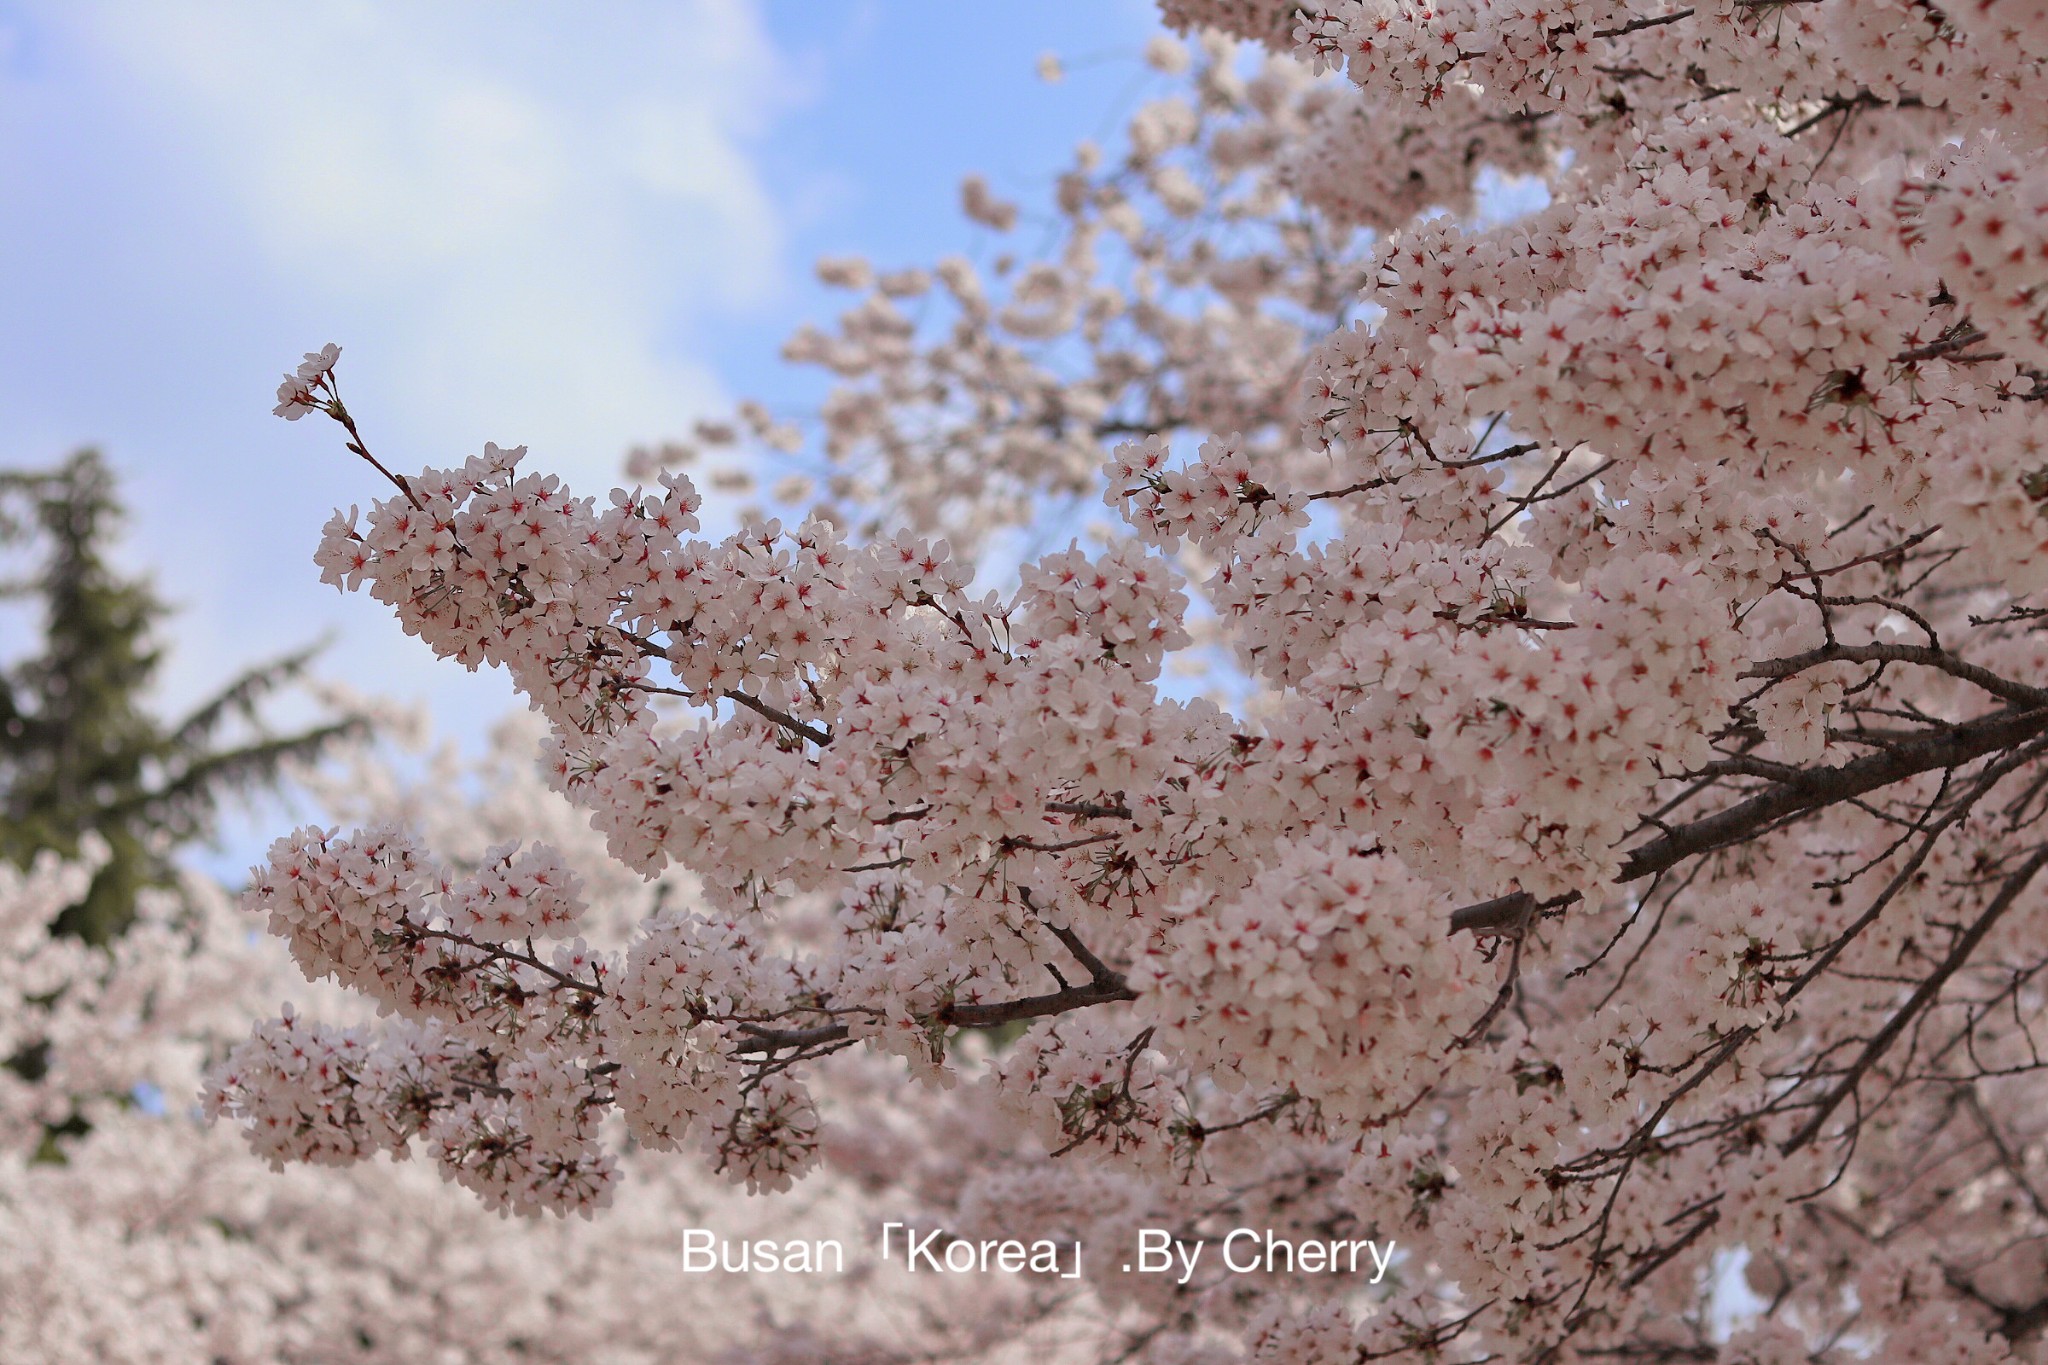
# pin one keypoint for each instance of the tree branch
(1108, 990)
(1810, 790)
(1958, 954)
(2018, 694)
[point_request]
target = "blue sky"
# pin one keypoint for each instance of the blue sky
(569, 227)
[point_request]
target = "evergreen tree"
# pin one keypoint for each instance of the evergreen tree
(83, 754)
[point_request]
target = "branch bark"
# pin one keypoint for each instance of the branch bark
(1811, 790)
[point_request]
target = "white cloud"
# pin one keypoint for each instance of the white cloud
(519, 206)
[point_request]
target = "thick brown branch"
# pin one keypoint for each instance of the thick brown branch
(1092, 810)
(782, 718)
(1637, 25)
(1502, 914)
(2019, 694)
(1811, 790)
(1818, 787)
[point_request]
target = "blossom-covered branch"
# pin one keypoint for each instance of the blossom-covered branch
(1647, 582)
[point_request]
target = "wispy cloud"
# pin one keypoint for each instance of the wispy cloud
(523, 205)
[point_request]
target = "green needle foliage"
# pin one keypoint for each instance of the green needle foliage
(80, 752)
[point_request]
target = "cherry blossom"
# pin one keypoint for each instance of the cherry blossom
(1538, 758)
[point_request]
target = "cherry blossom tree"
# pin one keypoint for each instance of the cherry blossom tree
(1544, 763)
(152, 1237)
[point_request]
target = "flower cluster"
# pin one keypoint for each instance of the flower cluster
(1554, 776)
(132, 1233)
(1327, 977)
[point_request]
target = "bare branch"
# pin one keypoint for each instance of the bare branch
(1958, 954)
